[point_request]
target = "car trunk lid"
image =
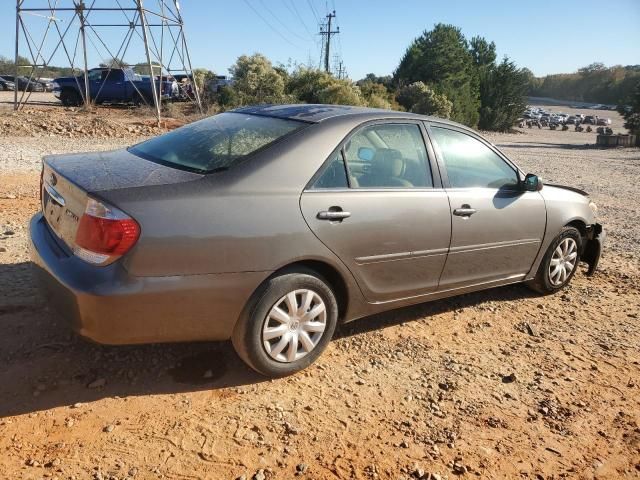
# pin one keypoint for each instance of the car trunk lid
(68, 181)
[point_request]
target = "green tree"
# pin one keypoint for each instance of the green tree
(305, 84)
(441, 59)
(310, 85)
(631, 114)
(341, 93)
(256, 81)
(502, 95)
(533, 82)
(593, 83)
(376, 94)
(202, 77)
(113, 62)
(419, 98)
(483, 52)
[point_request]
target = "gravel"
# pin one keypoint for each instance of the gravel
(25, 153)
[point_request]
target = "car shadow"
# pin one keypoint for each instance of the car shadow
(44, 365)
(416, 312)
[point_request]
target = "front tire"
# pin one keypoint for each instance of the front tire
(287, 325)
(559, 263)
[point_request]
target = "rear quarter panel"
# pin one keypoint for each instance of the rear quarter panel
(247, 219)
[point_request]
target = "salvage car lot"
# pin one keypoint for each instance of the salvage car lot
(500, 383)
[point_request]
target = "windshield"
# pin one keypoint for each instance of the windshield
(215, 143)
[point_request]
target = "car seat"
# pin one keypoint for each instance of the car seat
(387, 169)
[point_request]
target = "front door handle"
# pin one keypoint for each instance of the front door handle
(333, 214)
(464, 211)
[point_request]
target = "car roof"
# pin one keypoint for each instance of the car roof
(315, 113)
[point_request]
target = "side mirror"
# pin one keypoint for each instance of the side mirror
(532, 183)
(366, 154)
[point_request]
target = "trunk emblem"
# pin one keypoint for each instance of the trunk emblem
(72, 215)
(53, 179)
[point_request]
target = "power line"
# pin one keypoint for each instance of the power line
(270, 26)
(295, 11)
(313, 10)
(281, 22)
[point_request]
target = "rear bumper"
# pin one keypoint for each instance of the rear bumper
(108, 305)
(593, 249)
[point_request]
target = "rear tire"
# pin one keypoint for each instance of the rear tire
(287, 324)
(70, 98)
(559, 263)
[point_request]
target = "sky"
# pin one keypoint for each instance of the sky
(556, 36)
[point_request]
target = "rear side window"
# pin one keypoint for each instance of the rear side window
(470, 163)
(215, 143)
(334, 175)
(388, 155)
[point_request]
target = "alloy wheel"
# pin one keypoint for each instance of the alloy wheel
(563, 261)
(294, 325)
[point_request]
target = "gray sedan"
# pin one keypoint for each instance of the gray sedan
(269, 225)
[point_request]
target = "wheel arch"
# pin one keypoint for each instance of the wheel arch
(327, 272)
(580, 225)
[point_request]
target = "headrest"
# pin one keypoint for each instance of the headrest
(388, 162)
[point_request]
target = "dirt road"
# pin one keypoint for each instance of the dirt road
(497, 384)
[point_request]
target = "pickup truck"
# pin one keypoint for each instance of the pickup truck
(116, 85)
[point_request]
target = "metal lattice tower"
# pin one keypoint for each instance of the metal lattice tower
(109, 28)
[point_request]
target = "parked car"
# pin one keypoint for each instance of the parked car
(219, 82)
(603, 121)
(590, 119)
(6, 84)
(269, 225)
(24, 84)
(116, 85)
(47, 84)
(185, 86)
(573, 120)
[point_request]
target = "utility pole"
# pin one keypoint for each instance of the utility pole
(79, 6)
(154, 90)
(15, 87)
(342, 72)
(327, 43)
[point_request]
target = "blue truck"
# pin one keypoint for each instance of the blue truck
(115, 85)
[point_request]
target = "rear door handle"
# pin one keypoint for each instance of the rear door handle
(464, 211)
(333, 215)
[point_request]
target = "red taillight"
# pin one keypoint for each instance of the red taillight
(104, 232)
(107, 236)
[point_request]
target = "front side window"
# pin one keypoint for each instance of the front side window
(470, 163)
(388, 156)
(215, 143)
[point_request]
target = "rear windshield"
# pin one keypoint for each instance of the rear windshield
(215, 143)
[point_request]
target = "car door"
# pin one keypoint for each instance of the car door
(496, 226)
(377, 205)
(112, 85)
(95, 82)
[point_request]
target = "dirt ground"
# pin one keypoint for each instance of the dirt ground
(496, 384)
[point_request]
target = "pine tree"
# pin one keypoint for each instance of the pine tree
(631, 114)
(502, 95)
(441, 59)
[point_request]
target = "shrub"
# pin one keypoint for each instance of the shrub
(419, 98)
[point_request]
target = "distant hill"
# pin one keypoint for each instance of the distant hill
(594, 83)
